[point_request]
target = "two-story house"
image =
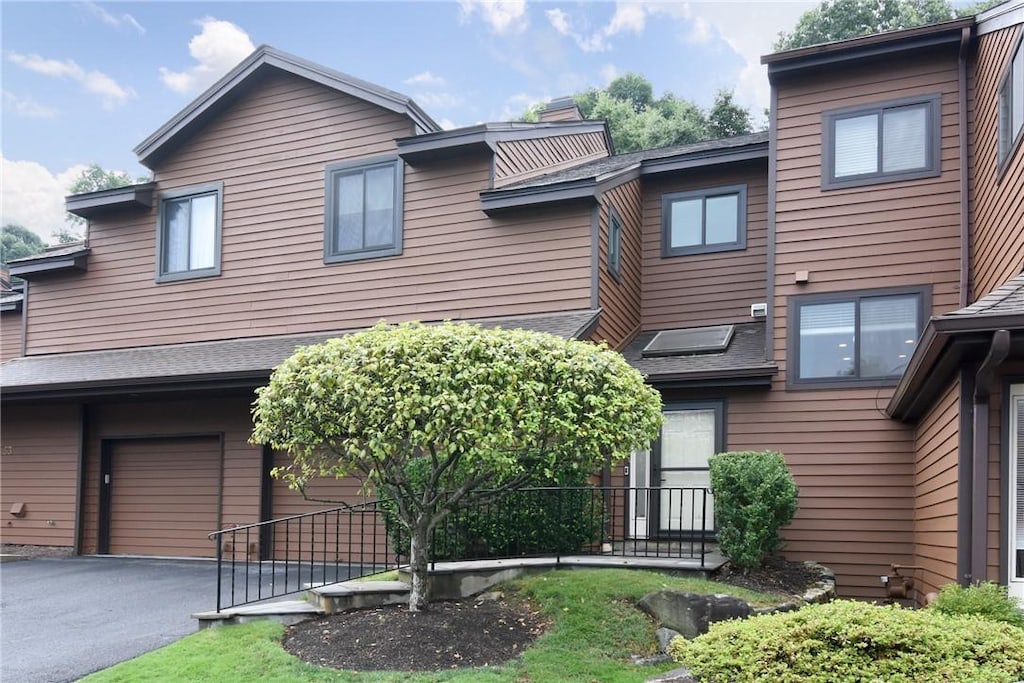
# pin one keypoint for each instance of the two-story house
(845, 288)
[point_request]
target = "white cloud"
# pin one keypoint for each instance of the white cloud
(559, 20)
(115, 20)
(33, 197)
(217, 48)
(446, 124)
(425, 79)
(440, 100)
(502, 16)
(98, 83)
(609, 72)
(516, 104)
(27, 107)
(629, 16)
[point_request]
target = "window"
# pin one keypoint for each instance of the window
(614, 243)
(188, 233)
(1011, 105)
(363, 210)
(705, 221)
(842, 338)
(895, 140)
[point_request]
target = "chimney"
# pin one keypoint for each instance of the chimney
(562, 109)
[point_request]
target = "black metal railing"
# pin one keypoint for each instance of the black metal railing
(283, 556)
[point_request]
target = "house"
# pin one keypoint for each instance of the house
(846, 288)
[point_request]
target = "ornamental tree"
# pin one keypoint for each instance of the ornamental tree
(486, 407)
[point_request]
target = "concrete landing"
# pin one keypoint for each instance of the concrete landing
(287, 612)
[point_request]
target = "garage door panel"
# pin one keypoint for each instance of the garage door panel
(164, 496)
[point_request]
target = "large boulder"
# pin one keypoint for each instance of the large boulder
(691, 613)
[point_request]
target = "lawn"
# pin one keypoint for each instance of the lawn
(594, 630)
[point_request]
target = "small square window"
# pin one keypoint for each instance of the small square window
(189, 233)
(1011, 105)
(614, 243)
(843, 338)
(880, 143)
(704, 221)
(363, 210)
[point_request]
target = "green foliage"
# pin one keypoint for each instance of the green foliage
(755, 496)
(94, 179)
(848, 642)
(17, 242)
(726, 118)
(634, 89)
(986, 599)
(842, 19)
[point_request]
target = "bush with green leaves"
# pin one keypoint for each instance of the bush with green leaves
(755, 496)
(853, 642)
(986, 599)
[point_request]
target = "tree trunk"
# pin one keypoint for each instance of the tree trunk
(418, 596)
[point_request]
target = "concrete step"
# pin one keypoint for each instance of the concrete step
(287, 612)
(347, 595)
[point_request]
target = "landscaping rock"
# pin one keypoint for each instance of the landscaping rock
(665, 636)
(691, 613)
(680, 675)
(650, 660)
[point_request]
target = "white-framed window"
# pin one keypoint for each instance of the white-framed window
(189, 232)
(363, 210)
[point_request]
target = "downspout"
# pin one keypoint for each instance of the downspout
(24, 319)
(773, 149)
(965, 235)
(997, 353)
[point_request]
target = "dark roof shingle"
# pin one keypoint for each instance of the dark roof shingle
(745, 356)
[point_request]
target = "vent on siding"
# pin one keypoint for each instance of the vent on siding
(693, 340)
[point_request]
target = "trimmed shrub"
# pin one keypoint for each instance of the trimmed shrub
(755, 496)
(847, 642)
(987, 599)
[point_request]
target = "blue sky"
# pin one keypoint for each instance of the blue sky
(85, 82)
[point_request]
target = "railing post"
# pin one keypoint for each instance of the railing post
(219, 561)
(704, 527)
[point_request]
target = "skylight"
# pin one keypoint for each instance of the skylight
(693, 340)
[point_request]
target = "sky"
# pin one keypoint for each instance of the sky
(85, 82)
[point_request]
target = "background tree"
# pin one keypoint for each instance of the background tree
(485, 409)
(92, 179)
(842, 19)
(17, 241)
(726, 118)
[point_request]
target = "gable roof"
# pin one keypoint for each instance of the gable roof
(264, 58)
(243, 362)
(445, 143)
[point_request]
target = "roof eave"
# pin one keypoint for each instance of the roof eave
(47, 265)
(140, 385)
(715, 157)
(756, 376)
(90, 204)
(444, 144)
(494, 201)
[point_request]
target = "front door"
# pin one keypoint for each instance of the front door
(1015, 560)
(676, 470)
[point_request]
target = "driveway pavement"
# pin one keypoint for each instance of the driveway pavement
(61, 619)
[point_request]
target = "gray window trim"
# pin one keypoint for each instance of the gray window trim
(932, 169)
(1006, 150)
(614, 219)
(668, 250)
(793, 381)
(179, 193)
(350, 167)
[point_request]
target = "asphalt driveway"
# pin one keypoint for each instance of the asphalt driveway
(61, 619)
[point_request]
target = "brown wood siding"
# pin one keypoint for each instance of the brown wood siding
(227, 416)
(855, 467)
(164, 496)
(936, 462)
(521, 159)
(10, 335)
(270, 150)
(997, 200)
(705, 289)
(619, 298)
(39, 450)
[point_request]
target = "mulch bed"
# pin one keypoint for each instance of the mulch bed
(778, 575)
(477, 632)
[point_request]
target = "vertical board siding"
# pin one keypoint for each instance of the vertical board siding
(516, 160)
(855, 467)
(936, 462)
(704, 289)
(10, 335)
(269, 150)
(229, 416)
(620, 298)
(997, 202)
(39, 452)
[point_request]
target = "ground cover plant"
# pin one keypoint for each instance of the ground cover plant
(593, 627)
(854, 642)
(986, 599)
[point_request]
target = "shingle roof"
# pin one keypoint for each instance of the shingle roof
(1007, 299)
(745, 356)
(251, 357)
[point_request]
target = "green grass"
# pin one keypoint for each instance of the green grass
(595, 627)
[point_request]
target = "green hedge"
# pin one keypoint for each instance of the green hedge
(852, 642)
(987, 599)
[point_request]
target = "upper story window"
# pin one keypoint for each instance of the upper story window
(614, 243)
(363, 210)
(188, 233)
(854, 337)
(704, 221)
(896, 140)
(1011, 104)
